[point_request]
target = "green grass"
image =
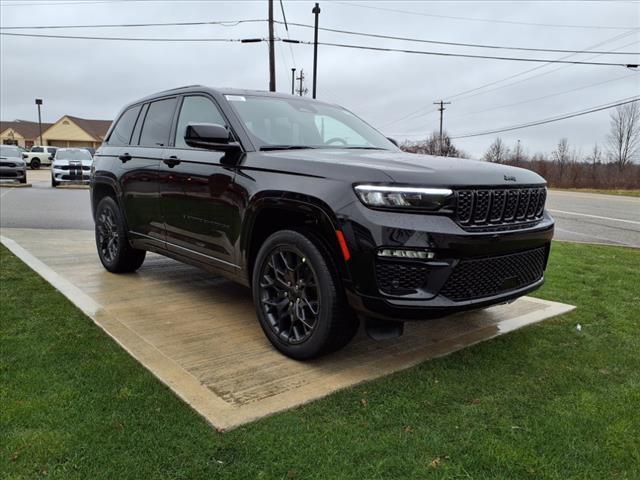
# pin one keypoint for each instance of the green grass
(543, 402)
(625, 193)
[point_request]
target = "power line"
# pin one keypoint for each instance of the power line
(489, 20)
(457, 44)
(545, 96)
(465, 93)
(223, 23)
(547, 120)
(462, 55)
(137, 39)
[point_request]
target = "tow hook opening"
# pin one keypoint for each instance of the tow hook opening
(382, 329)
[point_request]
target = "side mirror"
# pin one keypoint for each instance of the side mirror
(51, 157)
(394, 141)
(209, 135)
(24, 155)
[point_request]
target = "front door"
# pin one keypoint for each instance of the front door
(197, 191)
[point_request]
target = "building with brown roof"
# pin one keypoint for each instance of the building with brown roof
(21, 132)
(68, 131)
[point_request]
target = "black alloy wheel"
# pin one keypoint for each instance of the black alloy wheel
(298, 295)
(107, 236)
(289, 295)
(114, 250)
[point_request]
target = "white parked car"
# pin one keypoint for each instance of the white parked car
(38, 156)
(71, 166)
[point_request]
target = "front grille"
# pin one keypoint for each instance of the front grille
(7, 164)
(74, 167)
(486, 277)
(488, 209)
(400, 278)
(9, 174)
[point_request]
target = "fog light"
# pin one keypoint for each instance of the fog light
(398, 253)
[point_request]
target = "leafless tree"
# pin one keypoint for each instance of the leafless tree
(562, 156)
(594, 159)
(497, 152)
(431, 146)
(624, 138)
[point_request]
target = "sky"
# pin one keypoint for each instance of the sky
(393, 91)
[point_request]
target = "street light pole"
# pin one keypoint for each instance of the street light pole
(293, 81)
(316, 12)
(272, 54)
(38, 103)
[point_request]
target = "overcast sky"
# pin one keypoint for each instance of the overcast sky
(94, 79)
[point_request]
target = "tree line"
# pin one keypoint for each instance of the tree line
(609, 166)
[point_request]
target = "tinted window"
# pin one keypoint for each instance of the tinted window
(73, 155)
(122, 132)
(8, 151)
(196, 110)
(157, 124)
(37, 149)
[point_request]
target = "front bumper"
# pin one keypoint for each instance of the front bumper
(477, 257)
(71, 176)
(13, 173)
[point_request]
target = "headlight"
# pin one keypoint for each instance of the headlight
(385, 196)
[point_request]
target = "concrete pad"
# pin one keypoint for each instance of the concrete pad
(199, 335)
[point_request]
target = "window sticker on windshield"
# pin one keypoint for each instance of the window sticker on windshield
(236, 98)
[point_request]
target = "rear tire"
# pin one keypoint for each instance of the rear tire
(114, 250)
(35, 164)
(298, 296)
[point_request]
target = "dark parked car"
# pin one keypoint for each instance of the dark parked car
(12, 166)
(324, 218)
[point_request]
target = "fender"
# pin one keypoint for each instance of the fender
(308, 205)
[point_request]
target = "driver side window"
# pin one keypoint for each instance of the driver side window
(336, 131)
(196, 109)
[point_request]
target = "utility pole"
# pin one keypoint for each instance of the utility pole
(38, 103)
(441, 109)
(301, 89)
(272, 53)
(316, 12)
(293, 80)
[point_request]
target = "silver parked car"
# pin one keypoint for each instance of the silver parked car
(71, 166)
(12, 166)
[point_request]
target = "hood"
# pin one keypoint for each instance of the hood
(402, 167)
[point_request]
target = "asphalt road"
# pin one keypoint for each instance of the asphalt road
(580, 217)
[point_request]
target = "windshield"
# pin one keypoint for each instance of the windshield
(73, 155)
(9, 151)
(288, 122)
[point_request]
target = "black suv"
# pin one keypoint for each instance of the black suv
(322, 216)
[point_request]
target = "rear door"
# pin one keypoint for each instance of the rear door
(198, 198)
(140, 163)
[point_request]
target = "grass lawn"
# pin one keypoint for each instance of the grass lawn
(625, 193)
(547, 401)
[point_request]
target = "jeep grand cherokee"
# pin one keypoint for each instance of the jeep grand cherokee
(325, 219)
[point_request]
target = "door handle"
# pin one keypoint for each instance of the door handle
(172, 161)
(125, 157)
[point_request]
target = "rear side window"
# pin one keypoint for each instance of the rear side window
(121, 134)
(196, 109)
(157, 123)
(37, 149)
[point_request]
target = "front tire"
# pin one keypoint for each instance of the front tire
(298, 296)
(54, 184)
(114, 250)
(35, 164)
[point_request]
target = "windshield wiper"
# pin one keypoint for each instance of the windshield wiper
(363, 148)
(267, 148)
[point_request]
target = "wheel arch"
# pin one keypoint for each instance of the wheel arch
(274, 211)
